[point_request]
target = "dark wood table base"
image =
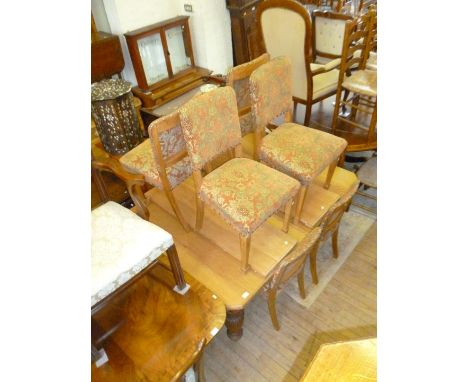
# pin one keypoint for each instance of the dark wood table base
(234, 323)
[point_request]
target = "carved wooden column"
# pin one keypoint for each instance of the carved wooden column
(243, 29)
(234, 322)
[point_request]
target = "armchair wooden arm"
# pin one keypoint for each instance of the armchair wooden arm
(132, 181)
(323, 68)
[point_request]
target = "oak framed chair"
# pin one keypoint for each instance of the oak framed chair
(361, 83)
(245, 193)
(292, 265)
(162, 159)
(330, 225)
(298, 151)
(285, 29)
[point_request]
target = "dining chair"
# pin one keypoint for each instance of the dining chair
(245, 193)
(298, 151)
(330, 225)
(162, 159)
(361, 83)
(328, 35)
(292, 265)
(285, 29)
(367, 175)
(238, 78)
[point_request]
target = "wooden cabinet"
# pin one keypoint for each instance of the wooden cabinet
(163, 62)
(244, 30)
(106, 56)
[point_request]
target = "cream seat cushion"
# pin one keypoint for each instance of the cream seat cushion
(324, 83)
(362, 82)
(122, 245)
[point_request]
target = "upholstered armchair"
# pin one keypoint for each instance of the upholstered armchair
(301, 152)
(162, 159)
(245, 193)
(285, 29)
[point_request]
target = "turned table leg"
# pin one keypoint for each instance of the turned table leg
(234, 322)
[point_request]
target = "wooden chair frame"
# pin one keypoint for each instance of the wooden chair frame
(292, 265)
(358, 37)
(260, 134)
(244, 240)
(298, 8)
(242, 72)
(133, 182)
(154, 130)
(330, 225)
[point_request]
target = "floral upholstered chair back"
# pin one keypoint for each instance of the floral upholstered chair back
(271, 91)
(329, 33)
(238, 78)
(210, 125)
(169, 149)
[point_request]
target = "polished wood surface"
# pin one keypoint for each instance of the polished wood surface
(243, 29)
(149, 332)
(344, 361)
(106, 56)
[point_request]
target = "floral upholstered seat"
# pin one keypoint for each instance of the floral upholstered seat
(140, 160)
(300, 152)
(246, 193)
(296, 150)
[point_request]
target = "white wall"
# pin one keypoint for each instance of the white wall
(210, 27)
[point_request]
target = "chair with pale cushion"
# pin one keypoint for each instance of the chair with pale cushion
(285, 29)
(162, 159)
(243, 192)
(330, 225)
(361, 83)
(299, 151)
(292, 265)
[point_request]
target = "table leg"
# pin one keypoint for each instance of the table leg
(176, 268)
(234, 322)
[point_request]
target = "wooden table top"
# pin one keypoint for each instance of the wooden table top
(350, 361)
(148, 331)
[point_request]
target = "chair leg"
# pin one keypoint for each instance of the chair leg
(336, 110)
(300, 203)
(287, 215)
(175, 208)
(272, 308)
(200, 213)
(313, 265)
(335, 243)
(176, 267)
(245, 251)
(294, 110)
(355, 103)
(300, 283)
(331, 170)
(308, 114)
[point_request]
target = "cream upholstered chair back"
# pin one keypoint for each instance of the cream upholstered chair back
(329, 30)
(286, 29)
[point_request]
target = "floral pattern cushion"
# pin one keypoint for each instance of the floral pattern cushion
(210, 125)
(271, 90)
(299, 151)
(245, 193)
(122, 245)
(141, 161)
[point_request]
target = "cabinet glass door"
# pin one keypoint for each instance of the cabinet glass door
(152, 57)
(175, 38)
